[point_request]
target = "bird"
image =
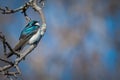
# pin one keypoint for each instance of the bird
(30, 35)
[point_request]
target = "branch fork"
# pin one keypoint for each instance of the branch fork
(20, 56)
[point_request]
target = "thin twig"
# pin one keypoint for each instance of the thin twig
(5, 43)
(6, 61)
(10, 11)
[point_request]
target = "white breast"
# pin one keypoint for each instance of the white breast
(35, 37)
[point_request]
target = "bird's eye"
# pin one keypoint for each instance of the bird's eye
(37, 24)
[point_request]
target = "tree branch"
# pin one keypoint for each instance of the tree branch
(40, 12)
(11, 11)
(21, 55)
(5, 43)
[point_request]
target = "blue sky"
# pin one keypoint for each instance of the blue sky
(76, 34)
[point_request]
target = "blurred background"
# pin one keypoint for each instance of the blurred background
(82, 41)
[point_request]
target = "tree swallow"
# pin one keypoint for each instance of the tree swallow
(31, 34)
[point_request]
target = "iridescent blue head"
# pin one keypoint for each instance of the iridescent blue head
(33, 23)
